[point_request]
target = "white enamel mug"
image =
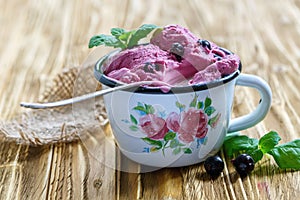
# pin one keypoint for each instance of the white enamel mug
(180, 127)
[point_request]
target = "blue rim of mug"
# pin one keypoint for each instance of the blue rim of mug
(105, 80)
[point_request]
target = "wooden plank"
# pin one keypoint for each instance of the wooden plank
(42, 37)
(83, 170)
(163, 184)
(24, 171)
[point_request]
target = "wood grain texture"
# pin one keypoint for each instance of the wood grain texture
(41, 38)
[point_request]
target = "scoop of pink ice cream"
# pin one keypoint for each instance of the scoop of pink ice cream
(210, 61)
(145, 63)
(206, 75)
(192, 51)
(224, 65)
(173, 56)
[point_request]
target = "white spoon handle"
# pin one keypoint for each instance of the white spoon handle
(85, 97)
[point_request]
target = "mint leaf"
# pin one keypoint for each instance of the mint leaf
(257, 155)
(140, 33)
(268, 141)
(287, 155)
(231, 135)
(121, 38)
(106, 40)
(125, 36)
(117, 32)
(239, 143)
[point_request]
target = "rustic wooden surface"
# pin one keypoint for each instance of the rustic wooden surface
(40, 38)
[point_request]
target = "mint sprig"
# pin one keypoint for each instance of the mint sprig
(121, 38)
(286, 156)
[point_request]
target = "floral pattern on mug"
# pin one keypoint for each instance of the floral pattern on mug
(175, 130)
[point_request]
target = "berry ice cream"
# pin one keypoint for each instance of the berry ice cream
(174, 56)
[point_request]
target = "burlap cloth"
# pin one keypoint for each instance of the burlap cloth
(68, 123)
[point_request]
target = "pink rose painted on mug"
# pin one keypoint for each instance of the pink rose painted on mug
(175, 130)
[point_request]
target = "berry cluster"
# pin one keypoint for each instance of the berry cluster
(243, 164)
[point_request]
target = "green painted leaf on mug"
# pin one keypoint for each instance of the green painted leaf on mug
(134, 128)
(212, 121)
(209, 110)
(149, 109)
(170, 136)
(207, 102)
(176, 150)
(200, 105)
(179, 105)
(194, 101)
(133, 120)
(140, 108)
(155, 149)
(157, 143)
(174, 143)
(187, 150)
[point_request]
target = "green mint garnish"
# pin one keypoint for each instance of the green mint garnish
(268, 141)
(121, 38)
(286, 156)
(239, 143)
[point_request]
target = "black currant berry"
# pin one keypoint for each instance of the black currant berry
(226, 51)
(204, 44)
(214, 165)
(177, 49)
(243, 164)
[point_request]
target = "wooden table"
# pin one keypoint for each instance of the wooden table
(40, 38)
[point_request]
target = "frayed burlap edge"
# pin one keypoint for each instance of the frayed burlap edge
(40, 127)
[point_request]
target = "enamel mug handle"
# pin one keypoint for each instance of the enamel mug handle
(251, 119)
